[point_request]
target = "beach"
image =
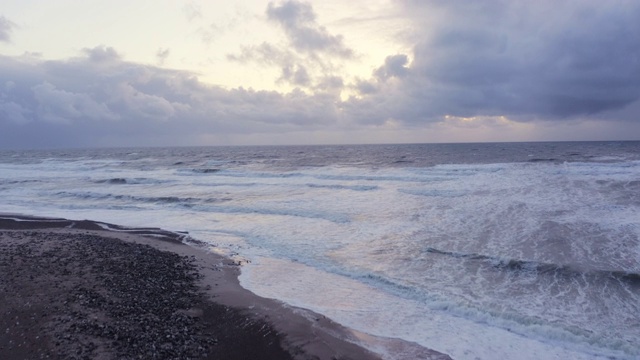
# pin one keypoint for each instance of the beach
(88, 290)
(407, 247)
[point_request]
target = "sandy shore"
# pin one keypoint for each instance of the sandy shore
(89, 290)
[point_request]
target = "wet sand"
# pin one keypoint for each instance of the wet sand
(90, 290)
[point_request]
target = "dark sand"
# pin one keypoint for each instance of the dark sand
(88, 290)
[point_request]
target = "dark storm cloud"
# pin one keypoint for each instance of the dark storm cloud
(299, 23)
(6, 27)
(101, 99)
(527, 60)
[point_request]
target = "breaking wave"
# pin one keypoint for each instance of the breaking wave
(543, 268)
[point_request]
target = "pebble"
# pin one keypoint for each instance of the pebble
(129, 299)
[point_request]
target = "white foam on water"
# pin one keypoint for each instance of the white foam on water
(366, 309)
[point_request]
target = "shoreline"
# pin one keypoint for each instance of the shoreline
(219, 317)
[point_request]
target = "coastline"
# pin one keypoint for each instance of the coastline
(74, 289)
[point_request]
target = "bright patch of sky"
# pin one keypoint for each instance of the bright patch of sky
(197, 36)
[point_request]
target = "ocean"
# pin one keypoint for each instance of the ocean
(480, 251)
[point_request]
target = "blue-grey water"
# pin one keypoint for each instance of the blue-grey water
(504, 250)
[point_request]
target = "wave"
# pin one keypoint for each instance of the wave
(309, 185)
(205, 205)
(543, 268)
(512, 321)
(433, 193)
(420, 178)
(236, 174)
(344, 187)
(206, 170)
(544, 160)
(133, 181)
(14, 182)
(402, 162)
(308, 214)
(236, 184)
(131, 198)
(112, 181)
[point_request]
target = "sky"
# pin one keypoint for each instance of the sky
(250, 72)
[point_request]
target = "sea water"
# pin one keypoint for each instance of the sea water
(514, 250)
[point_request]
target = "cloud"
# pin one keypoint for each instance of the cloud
(299, 23)
(292, 68)
(6, 27)
(531, 69)
(99, 98)
(394, 66)
(210, 33)
(14, 113)
(525, 60)
(330, 83)
(162, 55)
(192, 11)
(60, 106)
(312, 55)
(296, 75)
(101, 54)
